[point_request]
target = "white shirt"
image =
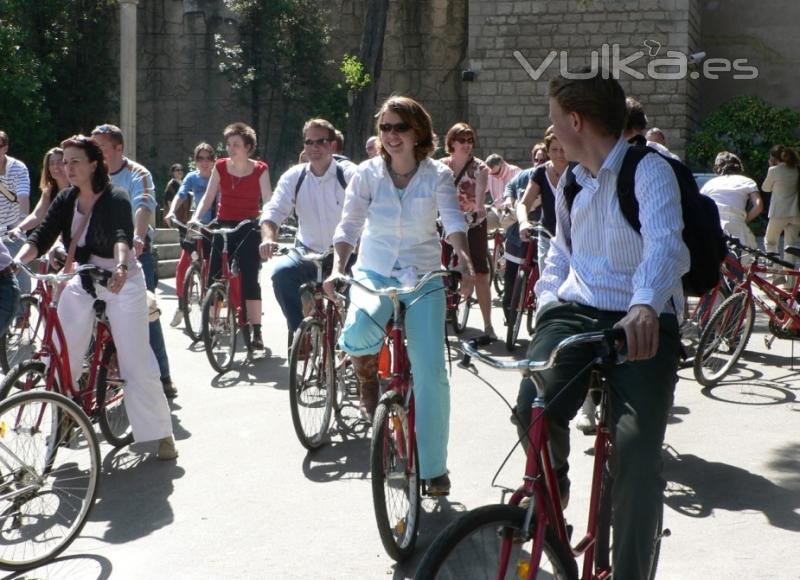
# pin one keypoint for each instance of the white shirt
(399, 226)
(599, 260)
(663, 150)
(15, 183)
(318, 205)
(730, 191)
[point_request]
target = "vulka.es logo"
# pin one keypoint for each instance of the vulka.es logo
(609, 62)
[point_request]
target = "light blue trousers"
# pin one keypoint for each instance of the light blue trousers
(363, 334)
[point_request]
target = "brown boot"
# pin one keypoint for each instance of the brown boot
(366, 369)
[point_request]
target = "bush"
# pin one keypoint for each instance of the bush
(747, 126)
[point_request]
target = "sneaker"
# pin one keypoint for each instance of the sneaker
(586, 422)
(177, 318)
(438, 486)
(256, 343)
(169, 389)
(166, 449)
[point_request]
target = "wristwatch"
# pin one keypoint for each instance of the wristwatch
(123, 266)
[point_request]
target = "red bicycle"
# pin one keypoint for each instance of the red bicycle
(24, 334)
(457, 308)
(99, 391)
(523, 298)
(320, 374)
(224, 313)
(194, 285)
(532, 541)
(396, 486)
(497, 258)
(727, 332)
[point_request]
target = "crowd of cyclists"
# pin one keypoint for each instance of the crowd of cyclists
(380, 219)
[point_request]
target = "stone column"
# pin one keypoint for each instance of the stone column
(127, 74)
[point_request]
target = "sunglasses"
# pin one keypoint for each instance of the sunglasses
(395, 127)
(310, 142)
(203, 158)
(463, 140)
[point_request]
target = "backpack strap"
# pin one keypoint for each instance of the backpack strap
(571, 187)
(339, 176)
(300, 182)
(626, 185)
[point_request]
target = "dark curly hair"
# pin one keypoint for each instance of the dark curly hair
(100, 179)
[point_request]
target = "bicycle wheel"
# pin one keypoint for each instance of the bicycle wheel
(516, 309)
(470, 548)
(219, 328)
(462, 314)
(602, 554)
(24, 334)
(27, 375)
(498, 279)
(724, 339)
(112, 416)
(312, 383)
(49, 472)
(395, 483)
(191, 303)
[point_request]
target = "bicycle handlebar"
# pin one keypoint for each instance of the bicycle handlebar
(228, 231)
(608, 338)
(394, 291)
(64, 276)
(731, 241)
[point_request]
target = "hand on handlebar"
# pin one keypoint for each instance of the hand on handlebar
(266, 249)
(641, 332)
(331, 282)
(168, 219)
(525, 230)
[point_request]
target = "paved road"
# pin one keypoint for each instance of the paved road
(245, 500)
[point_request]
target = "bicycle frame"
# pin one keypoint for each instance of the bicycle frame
(324, 309)
(785, 301)
(232, 278)
(531, 266)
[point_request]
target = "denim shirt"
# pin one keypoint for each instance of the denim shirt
(395, 232)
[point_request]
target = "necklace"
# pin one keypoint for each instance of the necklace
(396, 175)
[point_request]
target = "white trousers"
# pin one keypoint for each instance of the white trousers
(788, 226)
(145, 403)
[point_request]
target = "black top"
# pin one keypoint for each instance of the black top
(111, 222)
(548, 198)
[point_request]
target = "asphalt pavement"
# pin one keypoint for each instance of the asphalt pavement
(245, 500)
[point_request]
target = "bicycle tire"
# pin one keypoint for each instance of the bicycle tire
(24, 334)
(390, 473)
(308, 395)
(26, 375)
(498, 278)
(463, 549)
(192, 303)
(516, 309)
(462, 314)
(60, 479)
(734, 319)
(112, 416)
(602, 554)
(214, 325)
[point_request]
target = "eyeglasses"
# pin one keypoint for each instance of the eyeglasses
(463, 140)
(394, 127)
(203, 158)
(311, 142)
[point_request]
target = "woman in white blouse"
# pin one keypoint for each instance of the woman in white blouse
(731, 191)
(391, 205)
(782, 182)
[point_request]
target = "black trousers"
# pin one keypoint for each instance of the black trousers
(640, 399)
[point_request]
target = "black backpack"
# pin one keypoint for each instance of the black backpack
(702, 231)
(304, 172)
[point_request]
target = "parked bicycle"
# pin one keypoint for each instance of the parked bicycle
(99, 391)
(320, 374)
(516, 540)
(394, 465)
(49, 474)
(728, 331)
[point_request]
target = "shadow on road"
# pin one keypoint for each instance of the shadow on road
(134, 493)
(340, 459)
(269, 370)
(696, 487)
(753, 391)
(435, 516)
(74, 567)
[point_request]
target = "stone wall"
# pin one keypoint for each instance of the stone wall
(509, 108)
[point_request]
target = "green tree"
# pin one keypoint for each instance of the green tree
(281, 68)
(747, 126)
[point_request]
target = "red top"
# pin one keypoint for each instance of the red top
(240, 197)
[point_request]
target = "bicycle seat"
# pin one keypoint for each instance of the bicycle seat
(792, 250)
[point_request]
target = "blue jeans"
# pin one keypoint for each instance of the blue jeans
(363, 334)
(23, 280)
(156, 333)
(288, 274)
(9, 301)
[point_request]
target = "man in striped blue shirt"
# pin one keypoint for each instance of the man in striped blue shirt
(15, 191)
(600, 273)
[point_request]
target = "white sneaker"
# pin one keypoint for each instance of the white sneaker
(585, 418)
(177, 319)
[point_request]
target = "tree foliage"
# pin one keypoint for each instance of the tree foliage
(280, 66)
(747, 126)
(55, 70)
